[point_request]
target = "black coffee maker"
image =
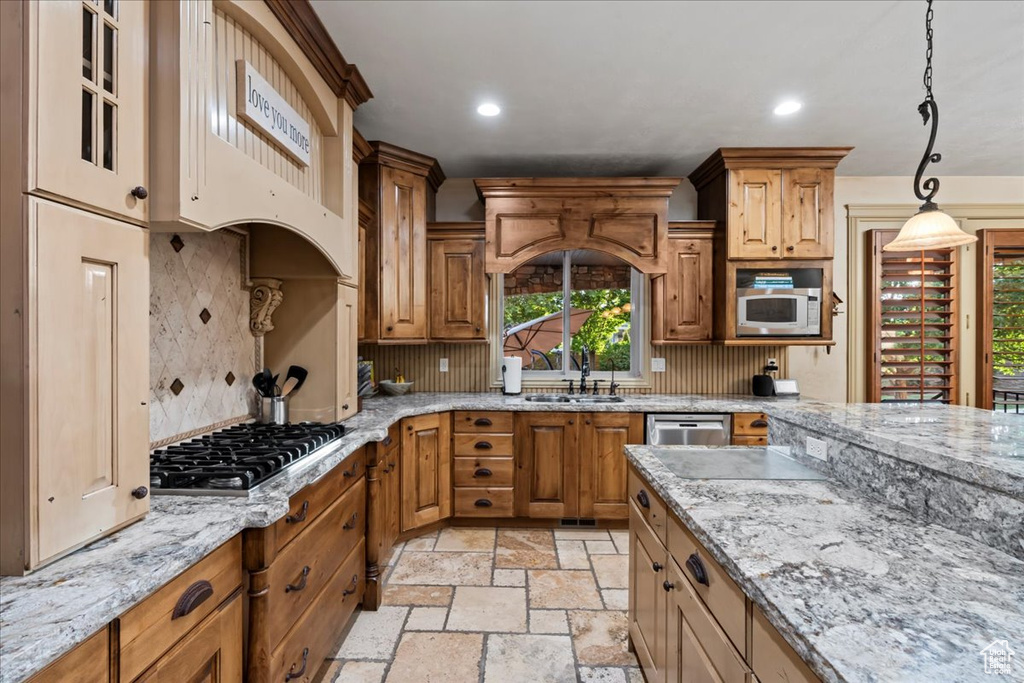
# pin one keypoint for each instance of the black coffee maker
(764, 385)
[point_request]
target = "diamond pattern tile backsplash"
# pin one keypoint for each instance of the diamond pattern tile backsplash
(199, 338)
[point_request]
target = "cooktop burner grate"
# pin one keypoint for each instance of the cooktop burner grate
(236, 459)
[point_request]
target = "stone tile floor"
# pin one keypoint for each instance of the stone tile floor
(496, 606)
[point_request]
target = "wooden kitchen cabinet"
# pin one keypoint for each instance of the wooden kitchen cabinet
(547, 464)
(426, 470)
(755, 214)
(87, 663)
(458, 290)
(383, 512)
(89, 73)
(398, 186)
(682, 298)
(603, 493)
(808, 213)
(348, 352)
(648, 562)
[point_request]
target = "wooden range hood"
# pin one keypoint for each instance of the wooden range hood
(624, 217)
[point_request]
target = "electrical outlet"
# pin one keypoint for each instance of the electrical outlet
(443, 366)
(657, 365)
(817, 448)
(773, 361)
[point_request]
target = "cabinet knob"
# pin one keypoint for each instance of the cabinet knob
(139, 192)
(668, 586)
(344, 406)
(572, 422)
(140, 492)
(775, 248)
(789, 248)
(657, 566)
(477, 328)
(390, 328)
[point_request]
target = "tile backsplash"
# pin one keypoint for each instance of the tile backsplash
(202, 354)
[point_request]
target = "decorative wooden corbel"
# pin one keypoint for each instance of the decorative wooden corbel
(264, 297)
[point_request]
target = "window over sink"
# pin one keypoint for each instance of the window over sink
(577, 300)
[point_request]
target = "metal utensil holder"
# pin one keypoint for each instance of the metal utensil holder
(274, 410)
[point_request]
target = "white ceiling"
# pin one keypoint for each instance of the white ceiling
(652, 88)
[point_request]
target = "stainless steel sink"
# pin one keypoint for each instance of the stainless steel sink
(547, 398)
(597, 399)
(564, 398)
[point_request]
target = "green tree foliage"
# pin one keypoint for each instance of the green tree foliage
(1008, 317)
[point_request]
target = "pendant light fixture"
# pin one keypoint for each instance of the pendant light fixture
(929, 228)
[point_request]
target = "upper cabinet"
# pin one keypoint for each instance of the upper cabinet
(775, 203)
(399, 185)
(682, 297)
(458, 285)
(88, 66)
(624, 217)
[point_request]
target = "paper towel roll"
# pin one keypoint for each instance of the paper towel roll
(512, 374)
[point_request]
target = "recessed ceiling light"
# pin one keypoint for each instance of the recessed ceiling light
(488, 109)
(788, 107)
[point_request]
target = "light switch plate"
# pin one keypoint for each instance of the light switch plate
(817, 448)
(657, 365)
(443, 365)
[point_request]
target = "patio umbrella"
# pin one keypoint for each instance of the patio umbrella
(542, 334)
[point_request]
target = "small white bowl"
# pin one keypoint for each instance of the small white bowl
(395, 388)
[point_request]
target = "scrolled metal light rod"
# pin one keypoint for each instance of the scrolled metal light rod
(928, 109)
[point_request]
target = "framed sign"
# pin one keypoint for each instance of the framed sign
(263, 107)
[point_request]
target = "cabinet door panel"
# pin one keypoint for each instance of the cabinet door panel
(457, 289)
(92, 291)
(547, 465)
(91, 67)
(682, 298)
(755, 214)
(87, 663)
(647, 560)
(603, 492)
(426, 470)
(403, 244)
(808, 220)
(348, 352)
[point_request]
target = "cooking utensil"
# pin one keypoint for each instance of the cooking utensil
(296, 377)
(275, 388)
(263, 383)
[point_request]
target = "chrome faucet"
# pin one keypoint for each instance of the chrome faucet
(584, 369)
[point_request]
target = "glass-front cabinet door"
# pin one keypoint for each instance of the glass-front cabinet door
(89, 62)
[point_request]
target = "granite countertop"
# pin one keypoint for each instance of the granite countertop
(862, 592)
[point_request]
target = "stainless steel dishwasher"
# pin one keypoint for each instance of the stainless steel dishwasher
(690, 429)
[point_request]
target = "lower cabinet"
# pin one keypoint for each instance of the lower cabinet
(426, 470)
(87, 663)
(603, 463)
(383, 511)
(483, 465)
(647, 598)
(749, 429)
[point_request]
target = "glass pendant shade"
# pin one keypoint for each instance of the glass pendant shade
(929, 229)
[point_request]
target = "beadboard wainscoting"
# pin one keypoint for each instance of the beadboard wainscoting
(202, 354)
(689, 369)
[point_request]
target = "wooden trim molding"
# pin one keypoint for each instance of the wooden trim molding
(488, 188)
(406, 160)
(726, 158)
(301, 22)
(264, 298)
(360, 147)
(455, 230)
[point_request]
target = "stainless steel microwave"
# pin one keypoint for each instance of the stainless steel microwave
(778, 312)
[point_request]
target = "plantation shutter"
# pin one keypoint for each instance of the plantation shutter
(912, 323)
(1001, 288)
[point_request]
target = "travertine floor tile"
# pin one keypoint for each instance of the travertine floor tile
(489, 609)
(615, 598)
(600, 638)
(572, 554)
(426, 619)
(437, 568)
(525, 549)
(357, 672)
(562, 589)
(425, 542)
(374, 634)
(437, 658)
(529, 659)
(432, 596)
(582, 534)
(601, 675)
(601, 548)
(553, 621)
(635, 675)
(466, 540)
(509, 577)
(621, 539)
(612, 571)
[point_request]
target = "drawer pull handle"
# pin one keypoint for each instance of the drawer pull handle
(483, 503)
(301, 517)
(351, 472)
(668, 586)
(194, 595)
(643, 499)
(387, 441)
(351, 523)
(301, 584)
(483, 445)
(759, 423)
(482, 472)
(696, 567)
(657, 566)
(483, 422)
(354, 583)
(292, 673)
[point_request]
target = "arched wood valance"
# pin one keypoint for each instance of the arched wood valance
(624, 217)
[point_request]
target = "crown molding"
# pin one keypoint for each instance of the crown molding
(725, 158)
(575, 187)
(408, 160)
(360, 147)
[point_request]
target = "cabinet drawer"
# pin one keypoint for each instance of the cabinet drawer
(309, 642)
(150, 628)
(306, 505)
(476, 422)
(650, 507)
(304, 567)
(483, 502)
(751, 424)
(720, 593)
(483, 444)
(87, 663)
(771, 656)
(750, 441)
(484, 471)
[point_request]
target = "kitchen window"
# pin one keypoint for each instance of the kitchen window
(604, 315)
